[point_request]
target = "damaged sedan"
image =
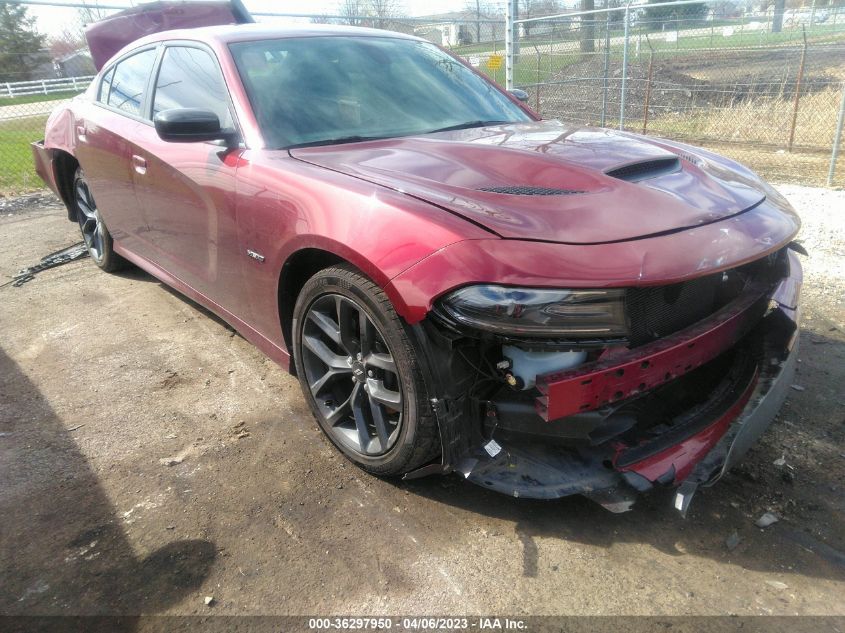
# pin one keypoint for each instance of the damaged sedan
(548, 309)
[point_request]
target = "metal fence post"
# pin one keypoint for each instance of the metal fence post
(606, 70)
(797, 91)
(537, 51)
(509, 37)
(648, 83)
(624, 69)
(9, 90)
(837, 137)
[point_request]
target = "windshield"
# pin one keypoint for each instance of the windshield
(323, 90)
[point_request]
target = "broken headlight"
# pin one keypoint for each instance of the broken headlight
(539, 312)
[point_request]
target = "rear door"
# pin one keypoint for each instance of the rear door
(105, 136)
(187, 190)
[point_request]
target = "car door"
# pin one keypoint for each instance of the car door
(187, 190)
(105, 133)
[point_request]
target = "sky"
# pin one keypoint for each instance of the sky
(52, 20)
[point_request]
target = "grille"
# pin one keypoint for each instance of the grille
(646, 169)
(662, 310)
(519, 190)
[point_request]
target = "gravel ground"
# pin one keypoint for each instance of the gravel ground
(150, 458)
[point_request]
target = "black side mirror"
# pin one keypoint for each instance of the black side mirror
(521, 95)
(190, 125)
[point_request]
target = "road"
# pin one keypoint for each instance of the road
(150, 457)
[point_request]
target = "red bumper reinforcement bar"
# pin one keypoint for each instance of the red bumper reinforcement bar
(624, 375)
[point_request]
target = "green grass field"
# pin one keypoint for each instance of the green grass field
(17, 173)
(53, 96)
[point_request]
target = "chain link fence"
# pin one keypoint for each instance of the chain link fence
(730, 84)
(767, 98)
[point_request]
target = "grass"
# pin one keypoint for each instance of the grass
(17, 172)
(742, 37)
(39, 98)
(763, 122)
(798, 167)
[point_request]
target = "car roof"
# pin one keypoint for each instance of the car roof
(230, 33)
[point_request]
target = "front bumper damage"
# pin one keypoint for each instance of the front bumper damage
(576, 436)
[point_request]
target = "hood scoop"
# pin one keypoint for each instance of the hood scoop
(549, 181)
(523, 190)
(634, 172)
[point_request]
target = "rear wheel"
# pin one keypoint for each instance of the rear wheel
(97, 238)
(360, 373)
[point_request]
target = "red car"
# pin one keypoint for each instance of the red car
(548, 309)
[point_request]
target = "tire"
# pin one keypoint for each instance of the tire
(92, 226)
(374, 406)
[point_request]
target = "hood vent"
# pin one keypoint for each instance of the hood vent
(691, 159)
(520, 190)
(646, 169)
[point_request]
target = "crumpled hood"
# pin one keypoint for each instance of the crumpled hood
(549, 181)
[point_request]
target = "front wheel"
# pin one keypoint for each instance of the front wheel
(97, 238)
(361, 375)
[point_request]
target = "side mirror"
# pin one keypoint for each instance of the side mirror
(190, 125)
(521, 95)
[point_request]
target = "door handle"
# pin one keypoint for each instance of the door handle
(139, 164)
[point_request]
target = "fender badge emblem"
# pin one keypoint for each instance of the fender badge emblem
(256, 256)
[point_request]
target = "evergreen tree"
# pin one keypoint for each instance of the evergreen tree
(20, 44)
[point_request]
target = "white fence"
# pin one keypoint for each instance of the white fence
(45, 86)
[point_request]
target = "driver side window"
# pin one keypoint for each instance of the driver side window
(190, 78)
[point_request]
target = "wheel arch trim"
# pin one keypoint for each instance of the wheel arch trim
(307, 255)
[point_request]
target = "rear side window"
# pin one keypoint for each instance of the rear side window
(105, 86)
(130, 81)
(190, 78)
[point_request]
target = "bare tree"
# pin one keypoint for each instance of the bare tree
(91, 13)
(352, 11)
(588, 28)
(384, 11)
(68, 41)
(777, 17)
(536, 9)
(483, 11)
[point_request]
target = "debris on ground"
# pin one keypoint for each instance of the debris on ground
(40, 200)
(766, 520)
(777, 584)
(209, 601)
(798, 387)
(54, 259)
(732, 541)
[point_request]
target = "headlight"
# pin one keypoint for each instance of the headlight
(539, 312)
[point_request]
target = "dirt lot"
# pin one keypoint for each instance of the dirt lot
(150, 457)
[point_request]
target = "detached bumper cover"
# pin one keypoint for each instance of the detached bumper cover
(43, 159)
(546, 471)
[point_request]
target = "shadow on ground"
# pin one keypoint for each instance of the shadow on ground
(63, 548)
